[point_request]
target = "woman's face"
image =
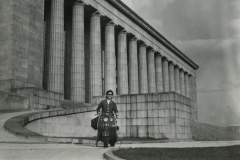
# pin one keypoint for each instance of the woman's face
(109, 95)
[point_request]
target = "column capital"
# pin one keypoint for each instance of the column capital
(96, 14)
(181, 70)
(185, 72)
(151, 50)
(171, 63)
(165, 59)
(111, 23)
(123, 32)
(176, 66)
(133, 39)
(79, 2)
(159, 55)
(143, 45)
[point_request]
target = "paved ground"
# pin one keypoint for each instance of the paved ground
(181, 144)
(50, 152)
(17, 148)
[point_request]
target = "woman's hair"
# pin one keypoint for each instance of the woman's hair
(109, 91)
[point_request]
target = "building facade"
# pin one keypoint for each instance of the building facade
(56, 50)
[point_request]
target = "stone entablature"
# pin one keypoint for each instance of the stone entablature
(106, 9)
(126, 10)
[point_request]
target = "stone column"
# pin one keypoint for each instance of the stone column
(186, 82)
(122, 72)
(151, 72)
(165, 75)
(95, 56)
(77, 66)
(110, 58)
(177, 79)
(182, 86)
(143, 75)
(133, 67)
(159, 74)
(56, 57)
(171, 77)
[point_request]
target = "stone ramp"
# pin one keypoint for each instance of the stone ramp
(14, 127)
(7, 137)
(67, 104)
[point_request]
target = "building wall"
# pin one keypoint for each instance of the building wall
(40, 98)
(21, 43)
(6, 41)
(152, 115)
(10, 101)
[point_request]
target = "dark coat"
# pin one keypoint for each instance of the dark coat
(107, 108)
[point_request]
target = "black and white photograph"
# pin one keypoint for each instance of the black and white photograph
(119, 79)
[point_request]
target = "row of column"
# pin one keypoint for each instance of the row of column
(57, 48)
(145, 72)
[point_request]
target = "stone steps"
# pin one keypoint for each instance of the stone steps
(67, 104)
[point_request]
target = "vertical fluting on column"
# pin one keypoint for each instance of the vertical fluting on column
(56, 57)
(110, 58)
(182, 86)
(186, 82)
(165, 75)
(171, 77)
(159, 73)
(95, 56)
(151, 72)
(122, 69)
(133, 67)
(143, 75)
(177, 79)
(77, 66)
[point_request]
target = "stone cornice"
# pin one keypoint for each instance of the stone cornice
(148, 28)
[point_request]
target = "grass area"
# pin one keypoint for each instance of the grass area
(209, 153)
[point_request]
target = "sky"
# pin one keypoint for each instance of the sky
(208, 32)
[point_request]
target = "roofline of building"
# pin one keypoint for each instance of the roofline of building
(148, 28)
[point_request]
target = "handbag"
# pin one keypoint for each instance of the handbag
(94, 122)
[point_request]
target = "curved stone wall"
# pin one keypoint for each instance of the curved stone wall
(72, 125)
(159, 116)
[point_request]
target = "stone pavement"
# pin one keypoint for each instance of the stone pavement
(50, 152)
(181, 144)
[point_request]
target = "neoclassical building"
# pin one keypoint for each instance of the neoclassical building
(59, 50)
